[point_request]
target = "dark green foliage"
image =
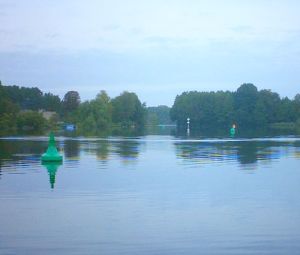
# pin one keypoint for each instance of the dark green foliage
(297, 110)
(205, 109)
(19, 112)
(51, 103)
(94, 117)
(70, 102)
(8, 125)
(245, 99)
(247, 107)
(8, 111)
(122, 115)
(125, 114)
(159, 115)
(287, 111)
(128, 111)
(31, 98)
(7, 106)
(26, 98)
(266, 108)
(19, 106)
(30, 122)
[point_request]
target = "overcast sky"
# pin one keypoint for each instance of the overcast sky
(155, 48)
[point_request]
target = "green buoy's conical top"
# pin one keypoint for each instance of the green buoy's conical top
(51, 154)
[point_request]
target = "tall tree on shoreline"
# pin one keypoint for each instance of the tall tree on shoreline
(245, 99)
(128, 111)
(70, 103)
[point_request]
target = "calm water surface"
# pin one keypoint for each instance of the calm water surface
(151, 195)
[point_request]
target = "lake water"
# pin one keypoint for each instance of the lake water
(151, 195)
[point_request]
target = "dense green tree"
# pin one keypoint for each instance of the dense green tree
(204, 109)
(32, 98)
(223, 109)
(8, 111)
(245, 100)
(71, 101)
(89, 126)
(104, 107)
(286, 111)
(26, 98)
(31, 122)
(51, 102)
(297, 106)
(8, 124)
(266, 108)
(6, 105)
(94, 117)
(128, 111)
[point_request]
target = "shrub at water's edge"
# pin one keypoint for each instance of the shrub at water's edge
(104, 116)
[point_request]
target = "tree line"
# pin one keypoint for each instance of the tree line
(247, 107)
(104, 115)
(21, 111)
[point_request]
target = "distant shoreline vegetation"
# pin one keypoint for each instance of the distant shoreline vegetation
(247, 107)
(29, 111)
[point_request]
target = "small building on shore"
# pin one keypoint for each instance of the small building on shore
(47, 114)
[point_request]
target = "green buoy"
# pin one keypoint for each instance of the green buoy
(232, 131)
(51, 155)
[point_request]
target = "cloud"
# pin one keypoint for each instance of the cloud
(5, 9)
(242, 29)
(111, 27)
(52, 35)
(130, 25)
(164, 41)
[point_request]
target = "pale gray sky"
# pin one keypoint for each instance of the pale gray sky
(157, 49)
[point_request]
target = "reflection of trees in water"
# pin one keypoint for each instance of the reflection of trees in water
(245, 152)
(21, 149)
(127, 149)
(71, 148)
(99, 148)
(8, 148)
(204, 152)
(297, 149)
(250, 152)
(4, 155)
(14, 151)
(102, 150)
(161, 130)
